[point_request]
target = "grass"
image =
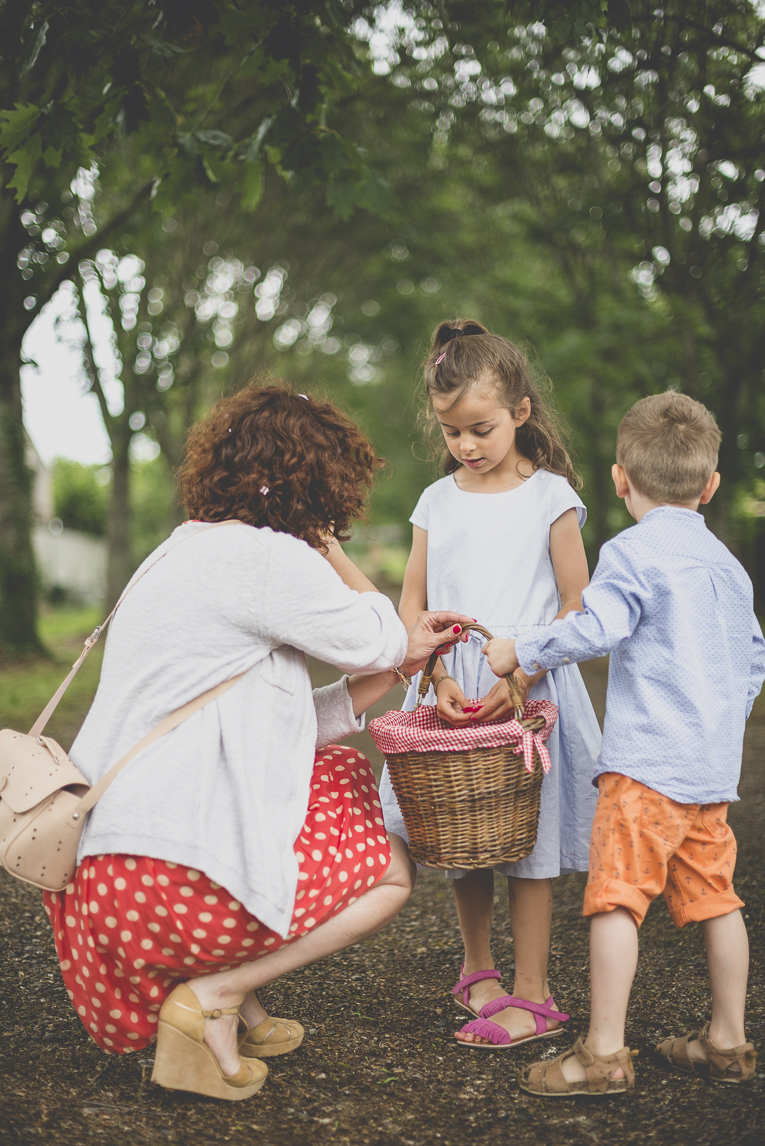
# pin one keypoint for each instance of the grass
(27, 686)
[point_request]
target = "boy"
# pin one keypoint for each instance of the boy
(674, 609)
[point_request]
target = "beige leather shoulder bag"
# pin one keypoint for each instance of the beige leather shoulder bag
(44, 798)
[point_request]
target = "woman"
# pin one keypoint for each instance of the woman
(200, 862)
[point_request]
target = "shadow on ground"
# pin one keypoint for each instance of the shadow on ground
(379, 1065)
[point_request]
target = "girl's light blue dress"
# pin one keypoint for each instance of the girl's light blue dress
(489, 557)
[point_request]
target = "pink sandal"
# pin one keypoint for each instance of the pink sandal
(498, 1036)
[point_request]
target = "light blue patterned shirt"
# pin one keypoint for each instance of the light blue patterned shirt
(673, 607)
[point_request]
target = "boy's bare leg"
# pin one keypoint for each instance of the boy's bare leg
(728, 961)
(530, 919)
(613, 961)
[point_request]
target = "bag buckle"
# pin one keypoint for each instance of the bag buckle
(92, 639)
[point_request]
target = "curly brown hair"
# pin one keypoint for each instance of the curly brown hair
(271, 457)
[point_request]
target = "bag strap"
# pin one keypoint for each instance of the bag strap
(172, 721)
(50, 708)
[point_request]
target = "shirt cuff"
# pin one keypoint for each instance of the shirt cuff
(334, 714)
(528, 655)
(532, 659)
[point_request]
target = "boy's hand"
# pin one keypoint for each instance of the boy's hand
(451, 703)
(501, 656)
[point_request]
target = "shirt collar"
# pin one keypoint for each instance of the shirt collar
(690, 516)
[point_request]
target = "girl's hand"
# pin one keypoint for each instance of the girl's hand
(501, 656)
(496, 703)
(451, 702)
(432, 631)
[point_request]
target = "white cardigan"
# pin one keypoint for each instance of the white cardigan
(227, 791)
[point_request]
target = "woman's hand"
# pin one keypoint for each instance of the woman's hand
(430, 633)
(451, 703)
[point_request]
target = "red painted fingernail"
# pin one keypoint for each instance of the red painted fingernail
(456, 629)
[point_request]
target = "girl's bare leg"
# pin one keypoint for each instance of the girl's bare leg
(531, 919)
(363, 918)
(474, 894)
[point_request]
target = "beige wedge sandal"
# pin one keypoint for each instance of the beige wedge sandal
(184, 1062)
(271, 1037)
(734, 1065)
(547, 1079)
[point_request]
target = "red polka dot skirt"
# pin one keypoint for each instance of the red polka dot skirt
(129, 928)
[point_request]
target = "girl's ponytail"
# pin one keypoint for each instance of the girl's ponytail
(456, 361)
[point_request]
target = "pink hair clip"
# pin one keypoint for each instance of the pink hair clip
(264, 490)
(303, 396)
(440, 359)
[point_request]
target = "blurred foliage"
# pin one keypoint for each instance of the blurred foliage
(210, 89)
(81, 496)
(80, 500)
(26, 686)
(587, 179)
(211, 93)
(155, 506)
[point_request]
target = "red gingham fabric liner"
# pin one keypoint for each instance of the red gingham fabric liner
(424, 731)
(129, 928)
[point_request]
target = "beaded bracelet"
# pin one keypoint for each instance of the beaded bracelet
(436, 683)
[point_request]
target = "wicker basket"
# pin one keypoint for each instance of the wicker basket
(470, 809)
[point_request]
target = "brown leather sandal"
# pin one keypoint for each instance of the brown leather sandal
(547, 1078)
(735, 1065)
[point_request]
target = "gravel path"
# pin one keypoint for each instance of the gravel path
(379, 1065)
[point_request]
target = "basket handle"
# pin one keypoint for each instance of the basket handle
(516, 696)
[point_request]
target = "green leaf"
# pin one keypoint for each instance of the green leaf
(342, 196)
(376, 194)
(251, 185)
(249, 22)
(209, 171)
(215, 138)
(161, 48)
(178, 183)
(104, 122)
(188, 143)
(250, 149)
(52, 156)
(37, 47)
(25, 161)
(18, 125)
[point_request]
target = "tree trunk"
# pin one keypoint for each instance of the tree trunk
(18, 574)
(120, 560)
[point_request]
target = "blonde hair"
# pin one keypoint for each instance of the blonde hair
(463, 352)
(668, 445)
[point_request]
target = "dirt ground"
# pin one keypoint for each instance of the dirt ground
(378, 1064)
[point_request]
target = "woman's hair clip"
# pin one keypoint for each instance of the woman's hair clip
(440, 359)
(303, 396)
(228, 431)
(264, 490)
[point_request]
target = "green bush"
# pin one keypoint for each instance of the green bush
(79, 498)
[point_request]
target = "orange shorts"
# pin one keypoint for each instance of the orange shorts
(644, 844)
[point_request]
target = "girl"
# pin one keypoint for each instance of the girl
(498, 538)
